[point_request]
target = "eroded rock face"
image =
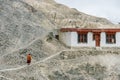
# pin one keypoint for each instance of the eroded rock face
(24, 28)
(19, 24)
(22, 21)
(84, 65)
(80, 72)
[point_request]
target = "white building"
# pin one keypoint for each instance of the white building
(76, 37)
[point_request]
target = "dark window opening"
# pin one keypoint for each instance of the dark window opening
(93, 36)
(110, 38)
(82, 38)
(57, 37)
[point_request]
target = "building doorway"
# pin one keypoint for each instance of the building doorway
(97, 39)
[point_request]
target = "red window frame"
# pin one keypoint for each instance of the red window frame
(110, 38)
(82, 38)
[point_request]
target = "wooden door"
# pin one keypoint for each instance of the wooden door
(97, 39)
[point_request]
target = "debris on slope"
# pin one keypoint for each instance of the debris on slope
(24, 28)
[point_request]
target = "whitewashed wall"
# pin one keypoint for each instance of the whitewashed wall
(65, 37)
(74, 40)
(91, 42)
(71, 39)
(118, 39)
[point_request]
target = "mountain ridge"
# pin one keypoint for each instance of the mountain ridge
(26, 26)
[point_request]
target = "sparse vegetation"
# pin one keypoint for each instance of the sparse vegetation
(25, 27)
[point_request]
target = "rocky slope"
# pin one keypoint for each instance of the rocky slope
(24, 28)
(84, 64)
(23, 21)
(63, 16)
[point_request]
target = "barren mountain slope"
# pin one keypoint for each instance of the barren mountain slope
(25, 27)
(23, 30)
(83, 64)
(22, 21)
(25, 21)
(63, 16)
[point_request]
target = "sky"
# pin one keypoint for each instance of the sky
(109, 9)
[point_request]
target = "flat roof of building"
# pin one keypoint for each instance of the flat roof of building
(90, 30)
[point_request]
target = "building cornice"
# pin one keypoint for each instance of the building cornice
(108, 30)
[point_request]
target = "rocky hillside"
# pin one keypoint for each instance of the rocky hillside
(85, 64)
(24, 21)
(24, 28)
(63, 16)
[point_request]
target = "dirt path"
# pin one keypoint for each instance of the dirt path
(41, 61)
(5, 77)
(21, 67)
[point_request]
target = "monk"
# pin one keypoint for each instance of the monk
(29, 59)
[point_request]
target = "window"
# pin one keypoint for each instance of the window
(110, 38)
(82, 38)
(93, 36)
(57, 37)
